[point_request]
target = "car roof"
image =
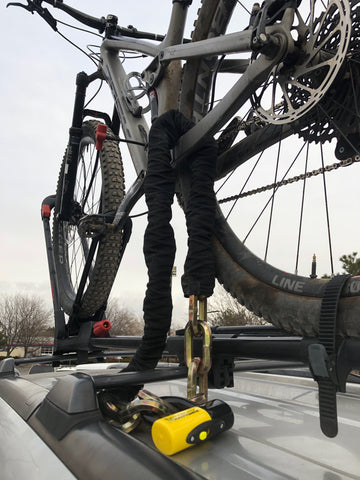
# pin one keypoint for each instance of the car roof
(276, 432)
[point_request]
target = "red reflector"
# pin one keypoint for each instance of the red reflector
(100, 136)
(45, 211)
(100, 329)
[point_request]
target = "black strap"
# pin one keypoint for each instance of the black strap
(186, 3)
(328, 313)
(323, 357)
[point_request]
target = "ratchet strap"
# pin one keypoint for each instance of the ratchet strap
(323, 356)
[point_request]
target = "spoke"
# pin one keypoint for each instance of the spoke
(356, 60)
(268, 82)
(269, 200)
(87, 194)
(225, 181)
(74, 264)
(246, 182)
(340, 131)
(355, 95)
(92, 184)
(327, 211)
(301, 211)
(315, 94)
(273, 94)
(345, 108)
(244, 7)
(272, 202)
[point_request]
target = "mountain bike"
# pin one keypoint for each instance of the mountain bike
(295, 73)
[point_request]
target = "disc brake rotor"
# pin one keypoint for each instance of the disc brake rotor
(338, 109)
(297, 84)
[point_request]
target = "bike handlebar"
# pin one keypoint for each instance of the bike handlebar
(88, 20)
(99, 23)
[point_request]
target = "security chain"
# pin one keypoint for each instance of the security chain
(198, 368)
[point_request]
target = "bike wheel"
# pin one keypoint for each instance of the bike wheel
(289, 301)
(99, 189)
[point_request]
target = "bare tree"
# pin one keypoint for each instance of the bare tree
(224, 310)
(23, 320)
(123, 321)
(35, 321)
(9, 323)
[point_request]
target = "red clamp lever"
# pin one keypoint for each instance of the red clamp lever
(45, 211)
(47, 205)
(101, 328)
(100, 136)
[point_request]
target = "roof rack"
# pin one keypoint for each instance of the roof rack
(329, 358)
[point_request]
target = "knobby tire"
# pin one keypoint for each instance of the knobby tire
(68, 243)
(288, 301)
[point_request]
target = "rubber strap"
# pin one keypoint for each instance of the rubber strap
(327, 337)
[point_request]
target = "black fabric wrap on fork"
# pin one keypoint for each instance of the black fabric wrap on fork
(159, 241)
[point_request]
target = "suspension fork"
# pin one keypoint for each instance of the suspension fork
(72, 153)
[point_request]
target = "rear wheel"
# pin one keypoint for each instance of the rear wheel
(99, 190)
(328, 127)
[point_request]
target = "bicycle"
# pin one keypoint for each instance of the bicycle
(295, 55)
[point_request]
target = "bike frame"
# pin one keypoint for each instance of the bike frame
(266, 43)
(135, 128)
(274, 43)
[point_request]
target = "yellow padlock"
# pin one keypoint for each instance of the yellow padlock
(170, 434)
(190, 427)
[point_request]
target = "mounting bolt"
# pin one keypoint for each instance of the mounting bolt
(151, 79)
(263, 37)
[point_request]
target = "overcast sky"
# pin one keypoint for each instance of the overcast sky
(36, 87)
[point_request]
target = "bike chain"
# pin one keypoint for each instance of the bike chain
(343, 163)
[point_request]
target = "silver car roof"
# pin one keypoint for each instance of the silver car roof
(276, 434)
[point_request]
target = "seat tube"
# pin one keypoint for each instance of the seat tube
(169, 87)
